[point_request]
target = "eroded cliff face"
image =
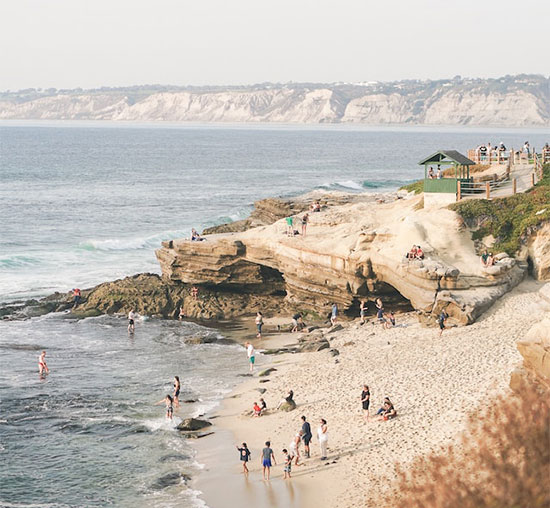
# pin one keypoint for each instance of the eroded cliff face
(351, 252)
(519, 101)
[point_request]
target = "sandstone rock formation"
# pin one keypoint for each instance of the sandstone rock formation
(535, 349)
(351, 252)
(538, 251)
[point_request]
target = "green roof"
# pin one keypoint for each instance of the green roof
(447, 156)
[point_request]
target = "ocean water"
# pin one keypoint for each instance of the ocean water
(82, 203)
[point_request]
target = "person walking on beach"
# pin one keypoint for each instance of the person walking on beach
(132, 316)
(442, 318)
(42, 366)
(295, 447)
(267, 455)
(306, 435)
(334, 314)
(365, 402)
(322, 435)
(305, 220)
(289, 226)
(379, 310)
(245, 456)
(288, 464)
(363, 311)
(169, 402)
(251, 355)
(259, 324)
(177, 387)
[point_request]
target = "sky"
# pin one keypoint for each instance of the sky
(93, 43)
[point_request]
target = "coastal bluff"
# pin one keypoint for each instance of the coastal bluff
(352, 251)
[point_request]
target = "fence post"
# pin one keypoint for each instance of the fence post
(533, 179)
(515, 185)
(487, 190)
(459, 191)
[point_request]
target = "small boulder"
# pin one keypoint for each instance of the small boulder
(334, 352)
(312, 347)
(192, 424)
(287, 406)
(266, 372)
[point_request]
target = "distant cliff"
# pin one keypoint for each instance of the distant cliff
(511, 101)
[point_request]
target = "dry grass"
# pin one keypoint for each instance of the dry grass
(504, 461)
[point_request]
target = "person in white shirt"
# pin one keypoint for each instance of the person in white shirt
(251, 355)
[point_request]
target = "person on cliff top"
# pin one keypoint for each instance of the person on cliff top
(177, 388)
(42, 366)
(305, 220)
(289, 226)
(169, 402)
(267, 455)
(334, 314)
(244, 456)
(363, 311)
(484, 257)
(132, 316)
(77, 294)
(251, 355)
(259, 324)
(412, 253)
(419, 252)
(442, 318)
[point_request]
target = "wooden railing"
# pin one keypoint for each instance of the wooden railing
(538, 162)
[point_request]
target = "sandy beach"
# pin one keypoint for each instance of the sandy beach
(434, 383)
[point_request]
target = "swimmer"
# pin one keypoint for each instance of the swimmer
(169, 401)
(42, 367)
(177, 387)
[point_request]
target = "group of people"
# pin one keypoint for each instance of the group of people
(386, 412)
(433, 175)
(386, 319)
(291, 455)
(291, 231)
(195, 237)
(171, 401)
(416, 252)
(487, 259)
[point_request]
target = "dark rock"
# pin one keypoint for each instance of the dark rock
(264, 380)
(190, 401)
(261, 390)
(173, 457)
(334, 352)
(311, 347)
(193, 424)
(169, 480)
(196, 435)
(287, 406)
(335, 328)
(267, 372)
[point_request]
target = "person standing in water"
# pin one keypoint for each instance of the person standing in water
(177, 387)
(259, 324)
(169, 401)
(132, 316)
(245, 456)
(251, 355)
(267, 455)
(42, 366)
(288, 463)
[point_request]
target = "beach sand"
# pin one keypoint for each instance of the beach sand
(434, 382)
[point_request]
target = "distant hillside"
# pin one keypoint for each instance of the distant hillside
(511, 101)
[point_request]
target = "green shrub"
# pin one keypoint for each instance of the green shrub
(508, 219)
(417, 187)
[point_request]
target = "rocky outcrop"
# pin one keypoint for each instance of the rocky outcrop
(351, 252)
(535, 350)
(538, 252)
(193, 424)
(509, 101)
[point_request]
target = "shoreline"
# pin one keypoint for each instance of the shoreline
(467, 365)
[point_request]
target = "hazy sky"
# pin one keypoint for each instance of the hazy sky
(90, 43)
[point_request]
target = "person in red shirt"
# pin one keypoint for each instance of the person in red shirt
(257, 410)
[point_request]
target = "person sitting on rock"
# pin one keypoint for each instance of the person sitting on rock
(263, 406)
(289, 399)
(419, 253)
(484, 257)
(389, 320)
(412, 253)
(490, 260)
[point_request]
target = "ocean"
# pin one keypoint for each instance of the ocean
(82, 203)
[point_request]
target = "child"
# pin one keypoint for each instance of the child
(257, 410)
(288, 464)
(267, 455)
(169, 401)
(245, 456)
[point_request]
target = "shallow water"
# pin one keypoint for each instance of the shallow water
(89, 434)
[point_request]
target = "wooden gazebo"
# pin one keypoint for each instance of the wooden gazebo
(445, 159)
